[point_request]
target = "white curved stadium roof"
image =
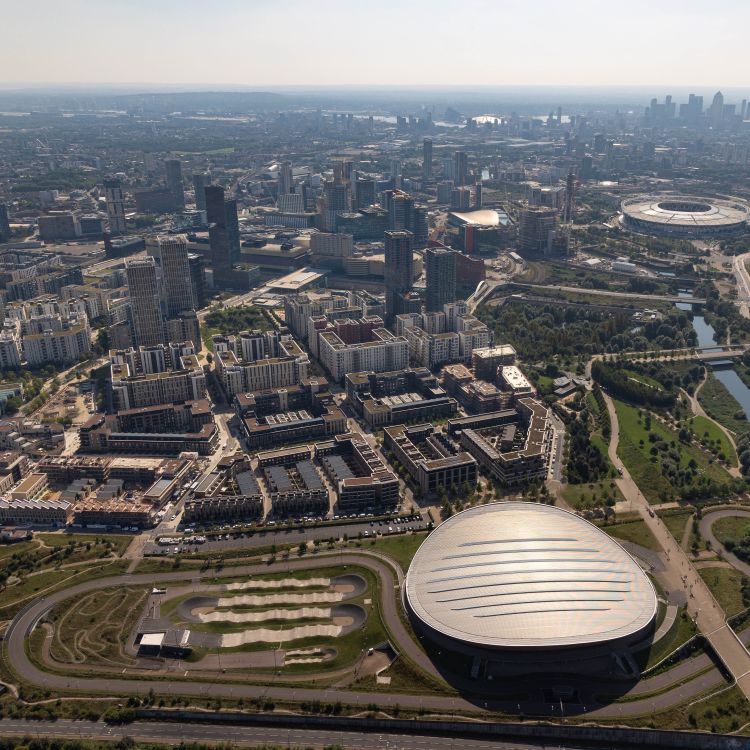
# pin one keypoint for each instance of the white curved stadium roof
(676, 210)
(526, 575)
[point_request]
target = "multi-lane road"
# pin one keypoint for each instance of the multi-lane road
(163, 732)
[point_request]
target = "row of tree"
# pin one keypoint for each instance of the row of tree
(624, 386)
(585, 461)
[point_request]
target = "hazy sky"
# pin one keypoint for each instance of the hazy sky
(329, 42)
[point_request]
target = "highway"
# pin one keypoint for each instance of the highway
(253, 736)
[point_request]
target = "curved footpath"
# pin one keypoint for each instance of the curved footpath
(707, 532)
(681, 573)
(388, 574)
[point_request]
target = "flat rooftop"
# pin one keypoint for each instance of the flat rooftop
(298, 280)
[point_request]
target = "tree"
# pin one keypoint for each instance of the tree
(13, 404)
(446, 510)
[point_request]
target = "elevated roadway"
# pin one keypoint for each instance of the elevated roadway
(608, 293)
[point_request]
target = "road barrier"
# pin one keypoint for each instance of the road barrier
(596, 735)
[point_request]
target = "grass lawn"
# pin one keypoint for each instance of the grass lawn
(544, 384)
(733, 527)
(644, 469)
(8, 550)
(708, 433)
(721, 405)
(95, 628)
(166, 564)
(675, 521)
(13, 598)
(117, 543)
(645, 379)
(633, 531)
(401, 547)
(597, 440)
(726, 586)
(722, 713)
(591, 495)
(405, 678)
(682, 630)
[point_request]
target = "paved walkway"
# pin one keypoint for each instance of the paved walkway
(681, 574)
(706, 529)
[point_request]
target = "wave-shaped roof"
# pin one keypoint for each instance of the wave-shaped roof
(526, 575)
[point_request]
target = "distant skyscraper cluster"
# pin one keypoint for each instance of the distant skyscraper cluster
(718, 115)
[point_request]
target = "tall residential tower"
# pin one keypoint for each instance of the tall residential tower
(440, 267)
(175, 272)
(427, 159)
(399, 270)
(115, 206)
(148, 324)
(174, 182)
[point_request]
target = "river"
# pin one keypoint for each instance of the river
(725, 375)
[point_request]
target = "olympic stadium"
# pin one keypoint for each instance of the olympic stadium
(684, 216)
(526, 587)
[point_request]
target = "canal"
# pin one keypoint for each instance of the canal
(723, 371)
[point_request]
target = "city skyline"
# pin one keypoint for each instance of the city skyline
(562, 45)
(364, 414)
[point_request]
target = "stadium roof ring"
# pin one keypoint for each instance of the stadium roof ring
(685, 216)
(527, 577)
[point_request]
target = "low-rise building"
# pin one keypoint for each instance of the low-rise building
(432, 459)
(15, 465)
(27, 436)
(363, 482)
(292, 427)
(35, 512)
(513, 380)
(526, 459)
(409, 395)
(311, 393)
(30, 488)
(97, 437)
(118, 511)
(486, 360)
(189, 416)
(295, 489)
(230, 493)
(476, 396)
